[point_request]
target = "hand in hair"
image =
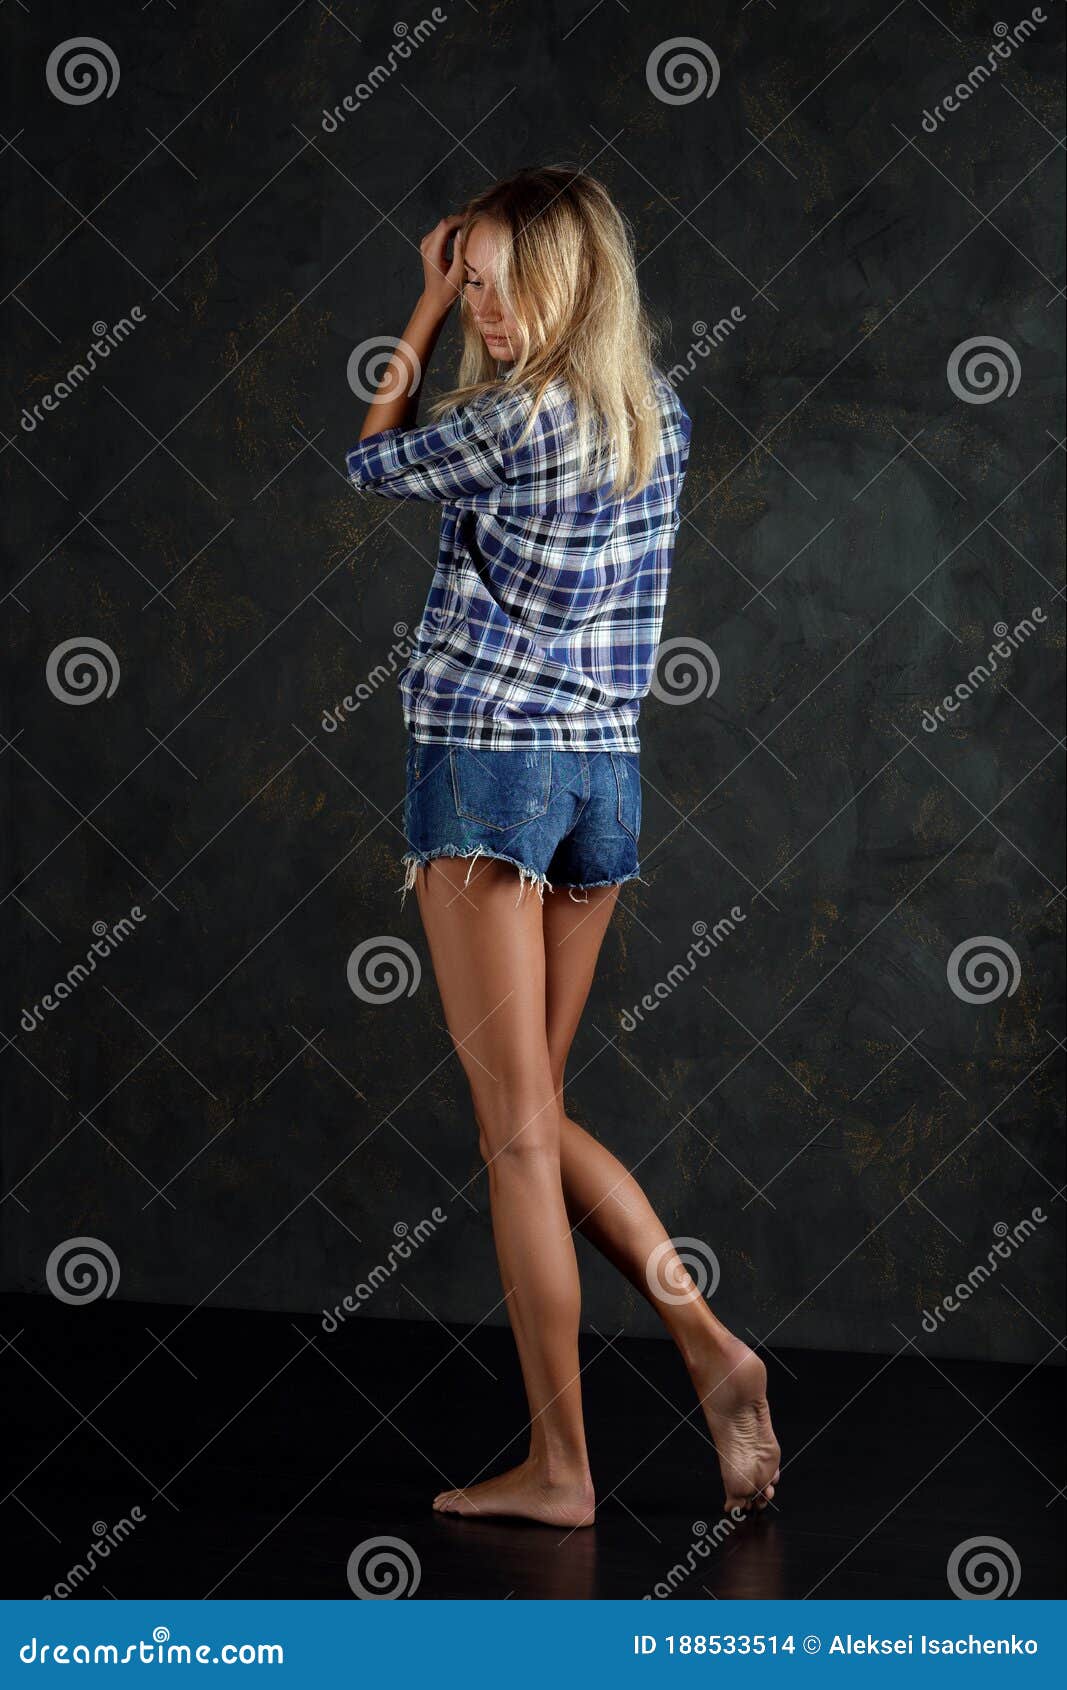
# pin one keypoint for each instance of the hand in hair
(396, 403)
(442, 278)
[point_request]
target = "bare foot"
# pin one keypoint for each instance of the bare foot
(731, 1383)
(523, 1491)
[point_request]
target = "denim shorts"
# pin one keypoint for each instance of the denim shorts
(563, 818)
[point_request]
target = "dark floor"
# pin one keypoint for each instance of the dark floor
(271, 1444)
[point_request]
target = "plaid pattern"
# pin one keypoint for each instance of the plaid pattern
(545, 610)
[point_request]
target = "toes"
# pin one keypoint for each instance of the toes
(764, 1497)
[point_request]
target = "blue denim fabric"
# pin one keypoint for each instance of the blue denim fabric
(563, 818)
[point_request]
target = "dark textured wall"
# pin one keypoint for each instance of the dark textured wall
(814, 1101)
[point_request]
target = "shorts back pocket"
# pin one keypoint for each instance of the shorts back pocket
(501, 789)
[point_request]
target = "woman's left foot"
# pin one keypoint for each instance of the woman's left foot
(731, 1382)
(524, 1492)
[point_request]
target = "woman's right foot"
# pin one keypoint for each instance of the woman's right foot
(524, 1493)
(731, 1382)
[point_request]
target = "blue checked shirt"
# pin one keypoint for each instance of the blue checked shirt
(545, 609)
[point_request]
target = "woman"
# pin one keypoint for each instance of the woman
(558, 461)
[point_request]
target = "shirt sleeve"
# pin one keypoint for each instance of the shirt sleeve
(469, 458)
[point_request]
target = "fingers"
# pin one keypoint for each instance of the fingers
(436, 238)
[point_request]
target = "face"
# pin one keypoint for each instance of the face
(497, 327)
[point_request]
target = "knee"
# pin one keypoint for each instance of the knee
(518, 1126)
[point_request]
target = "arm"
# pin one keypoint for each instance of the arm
(395, 405)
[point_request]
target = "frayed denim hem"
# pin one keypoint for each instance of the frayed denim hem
(588, 885)
(414, 860)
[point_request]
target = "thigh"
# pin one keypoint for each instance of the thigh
(573, 934)
(489, 960)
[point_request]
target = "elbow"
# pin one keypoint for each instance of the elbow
(360, 472)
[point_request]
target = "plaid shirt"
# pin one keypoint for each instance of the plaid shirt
(544, 614)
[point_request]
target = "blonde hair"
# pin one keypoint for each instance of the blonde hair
(566, 273)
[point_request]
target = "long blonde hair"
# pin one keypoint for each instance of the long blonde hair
(566, 273)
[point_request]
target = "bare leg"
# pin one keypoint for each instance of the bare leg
(488, 956)
(608, 1206)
